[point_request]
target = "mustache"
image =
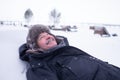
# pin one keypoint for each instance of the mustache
(49, 40)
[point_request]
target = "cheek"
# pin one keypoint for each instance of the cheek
(41, 43)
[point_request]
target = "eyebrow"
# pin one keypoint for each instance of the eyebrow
(41, 35)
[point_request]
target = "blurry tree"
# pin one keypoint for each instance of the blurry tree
(55, 17)
(28, 15)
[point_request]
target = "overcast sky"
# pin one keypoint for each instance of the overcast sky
(72, 11)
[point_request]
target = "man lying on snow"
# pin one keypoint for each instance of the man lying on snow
(51, 58)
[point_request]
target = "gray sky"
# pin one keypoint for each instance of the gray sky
(73, 11)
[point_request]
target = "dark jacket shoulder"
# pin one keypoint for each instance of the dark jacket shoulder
(22, 52)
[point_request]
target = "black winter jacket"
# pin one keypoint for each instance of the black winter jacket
(67, 63)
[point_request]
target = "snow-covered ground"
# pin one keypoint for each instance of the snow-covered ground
(11, 37)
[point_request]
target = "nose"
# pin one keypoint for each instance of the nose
(47, 36)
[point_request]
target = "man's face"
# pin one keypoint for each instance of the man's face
(46, 41)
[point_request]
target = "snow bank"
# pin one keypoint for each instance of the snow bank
(11, 67)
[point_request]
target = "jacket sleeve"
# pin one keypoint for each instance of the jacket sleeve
(22, 52)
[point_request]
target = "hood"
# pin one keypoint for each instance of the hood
(62, 41)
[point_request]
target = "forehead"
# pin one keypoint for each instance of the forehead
(43, 33)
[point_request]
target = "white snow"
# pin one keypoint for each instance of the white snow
(11, 37)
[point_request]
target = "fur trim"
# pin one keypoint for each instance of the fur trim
(33, 34)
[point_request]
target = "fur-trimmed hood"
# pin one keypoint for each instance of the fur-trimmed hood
(24, 55)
